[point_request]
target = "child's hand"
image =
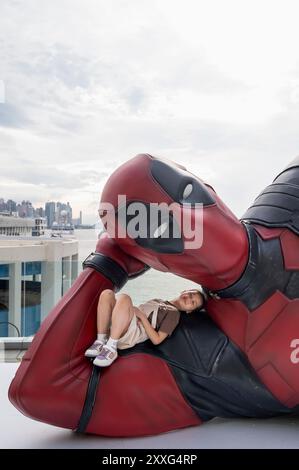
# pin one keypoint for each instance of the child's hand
(139, 314)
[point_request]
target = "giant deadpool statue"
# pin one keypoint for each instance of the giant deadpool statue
(238, 358)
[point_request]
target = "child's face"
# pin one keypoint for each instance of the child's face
(190, 300)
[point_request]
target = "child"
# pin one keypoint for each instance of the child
(129, 325)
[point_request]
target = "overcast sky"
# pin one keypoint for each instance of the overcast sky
(213, 85)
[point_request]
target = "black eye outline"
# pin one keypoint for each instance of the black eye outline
(174, 181)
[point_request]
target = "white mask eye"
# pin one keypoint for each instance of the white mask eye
(160, 230)
(188, 190)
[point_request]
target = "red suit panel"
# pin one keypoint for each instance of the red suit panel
(138, 396)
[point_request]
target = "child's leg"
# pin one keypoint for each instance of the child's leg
(106, 304)
(122, 315)
(104, 312)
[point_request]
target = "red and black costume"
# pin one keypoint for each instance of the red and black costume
(232, 360)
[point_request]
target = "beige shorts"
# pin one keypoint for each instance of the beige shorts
(134, 334)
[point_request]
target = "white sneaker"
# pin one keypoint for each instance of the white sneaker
(106, 357)
(94, 349)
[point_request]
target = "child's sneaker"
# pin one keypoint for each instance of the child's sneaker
(94, 349)
(106, 356)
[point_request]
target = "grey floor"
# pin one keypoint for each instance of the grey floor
(17, 431)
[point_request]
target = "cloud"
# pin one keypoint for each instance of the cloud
(11, 116)
(88, 87)
(50, 177)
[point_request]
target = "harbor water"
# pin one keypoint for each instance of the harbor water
(152, 284)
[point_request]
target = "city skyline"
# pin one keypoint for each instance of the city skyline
(53, 211)
(27, 201)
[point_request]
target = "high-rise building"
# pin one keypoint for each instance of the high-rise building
(11, 206)
(25, 209)
(50, 213)
(64, 213)
(39, 212)
(69, 212)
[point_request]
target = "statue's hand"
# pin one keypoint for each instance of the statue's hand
(108, 247)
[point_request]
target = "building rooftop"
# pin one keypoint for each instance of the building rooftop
(32, 249)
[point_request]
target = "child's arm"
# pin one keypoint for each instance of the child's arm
(156, 337)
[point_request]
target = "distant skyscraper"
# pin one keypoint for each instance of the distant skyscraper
(64, 213)
(39, 212)
(11, 206)
(50, 213)
(25, 209)
(69, 213)
(80, 217)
